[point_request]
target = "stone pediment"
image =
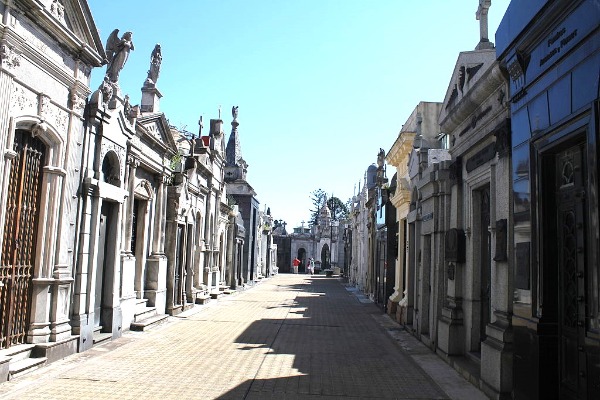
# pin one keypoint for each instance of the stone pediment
(155, 129)
(72, 24)
(470, 68)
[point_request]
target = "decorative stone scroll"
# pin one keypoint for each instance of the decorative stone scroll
(57, 9)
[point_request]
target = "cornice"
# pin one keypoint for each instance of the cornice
(401, 197)
(487, 84)
(401, 148)
(38, 13)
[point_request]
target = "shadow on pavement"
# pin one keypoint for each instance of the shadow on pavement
(328, 345)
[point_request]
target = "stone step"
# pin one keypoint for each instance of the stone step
(18, 352)
(202, 298)
(148, 322)
(101, 337)
(229, 291)
(215, 295)
(24, 366)
(141, 304)
(144, 313)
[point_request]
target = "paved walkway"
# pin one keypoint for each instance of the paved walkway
(291, 337)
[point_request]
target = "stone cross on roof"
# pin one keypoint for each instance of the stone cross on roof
(482, 17)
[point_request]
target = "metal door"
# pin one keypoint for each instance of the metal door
(100, 267)
(179, 263)
(571, 221)
(486, 261)
(19, 240)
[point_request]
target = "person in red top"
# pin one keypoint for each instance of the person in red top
(295, 263)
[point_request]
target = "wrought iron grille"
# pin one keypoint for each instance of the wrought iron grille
(19, 240)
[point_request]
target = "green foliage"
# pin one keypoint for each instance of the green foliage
(317, 197)
(338, 209)
(175, 160)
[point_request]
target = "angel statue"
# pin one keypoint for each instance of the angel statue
(155, 61)
(234, 112)
(117, 52)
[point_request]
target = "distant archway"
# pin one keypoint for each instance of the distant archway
(325, 257)
(302, 257)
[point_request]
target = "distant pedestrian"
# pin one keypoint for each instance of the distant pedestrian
(295, 263)
(311, 266)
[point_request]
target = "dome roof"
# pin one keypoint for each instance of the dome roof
(371, 176)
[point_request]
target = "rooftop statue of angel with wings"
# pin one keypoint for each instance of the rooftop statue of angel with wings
(117, 52)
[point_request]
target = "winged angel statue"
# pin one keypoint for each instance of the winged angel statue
(117, 52)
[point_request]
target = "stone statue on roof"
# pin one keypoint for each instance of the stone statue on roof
(155, 62)
(117, 53)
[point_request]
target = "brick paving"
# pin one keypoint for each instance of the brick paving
(291, 337)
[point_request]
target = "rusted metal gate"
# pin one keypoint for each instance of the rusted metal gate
(19, 240)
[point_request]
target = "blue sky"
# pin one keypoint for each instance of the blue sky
(321, 85)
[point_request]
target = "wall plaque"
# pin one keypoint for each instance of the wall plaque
(501, 240)
(481, 157)
(450, 271)
(427, 217)
(455, 245)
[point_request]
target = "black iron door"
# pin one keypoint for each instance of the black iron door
(179, 262)
(571, 221)
(100, 267)
(134, 227)
(486, 261)
(19, 240)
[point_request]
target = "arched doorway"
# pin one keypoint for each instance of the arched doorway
(105, 255)
(20, 234)
(302, 257)
(325, 257)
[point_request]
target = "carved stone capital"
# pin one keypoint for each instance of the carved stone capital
(43, 105)
(77, 100)
(133, 161)
(10, 58)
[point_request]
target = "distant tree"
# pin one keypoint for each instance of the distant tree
(317, 198)
(338, 209)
